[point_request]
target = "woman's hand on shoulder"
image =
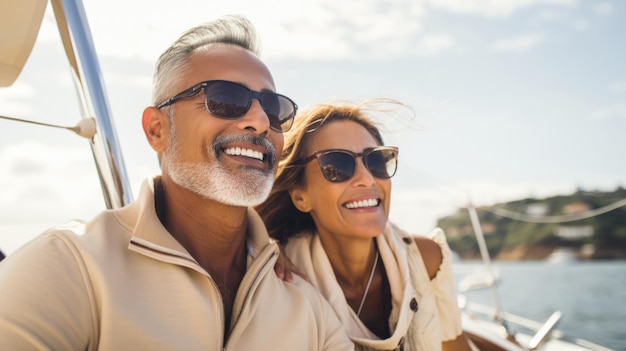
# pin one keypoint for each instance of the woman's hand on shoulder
(285, 269)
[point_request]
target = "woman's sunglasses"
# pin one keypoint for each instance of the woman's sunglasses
(338, 165)
(230, 100)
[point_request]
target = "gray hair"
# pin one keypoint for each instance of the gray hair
(233, 30)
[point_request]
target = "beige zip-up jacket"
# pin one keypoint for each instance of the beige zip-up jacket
(122, 282)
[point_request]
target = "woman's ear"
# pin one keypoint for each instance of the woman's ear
(156, 127)
(300, 199)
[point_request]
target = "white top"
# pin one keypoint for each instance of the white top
(424, 312)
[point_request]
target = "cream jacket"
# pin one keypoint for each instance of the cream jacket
(424, 312)
(122, 282)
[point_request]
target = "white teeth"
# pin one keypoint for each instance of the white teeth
(362, 203)
(237, 151)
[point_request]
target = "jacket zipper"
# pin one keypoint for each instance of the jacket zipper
(249, 278)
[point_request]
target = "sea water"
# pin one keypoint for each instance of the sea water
(591, 295)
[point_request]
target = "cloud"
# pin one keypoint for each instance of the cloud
(494, 8)
(605, 8)
(613, 112)
(39, 180)
(332, 30)
(433, 45)
(581, 24)
(10, 100)
(320, 29)
(307, 30)
(550, 15)
(43, 186)
(518, 44)
(618, 87)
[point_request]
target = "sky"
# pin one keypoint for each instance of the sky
(507, 99)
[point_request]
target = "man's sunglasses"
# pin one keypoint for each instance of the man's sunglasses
(338, 165)
(230, 100)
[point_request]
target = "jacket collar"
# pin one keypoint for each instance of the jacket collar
(148, 231)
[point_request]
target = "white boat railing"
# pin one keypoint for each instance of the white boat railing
(484, 253)
(487, 313)
(542, 332)
(79, 47)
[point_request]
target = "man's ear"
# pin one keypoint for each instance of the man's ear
(156, 127)
(300, 199)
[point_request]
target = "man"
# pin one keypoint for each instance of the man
(188, 265)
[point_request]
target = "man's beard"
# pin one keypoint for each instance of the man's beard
(245, 186)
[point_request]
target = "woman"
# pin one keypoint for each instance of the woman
(329, 208)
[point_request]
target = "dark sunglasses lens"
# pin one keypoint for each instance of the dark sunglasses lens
(227, 100)
(382, 163)
(279, 110)
(337, 166)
